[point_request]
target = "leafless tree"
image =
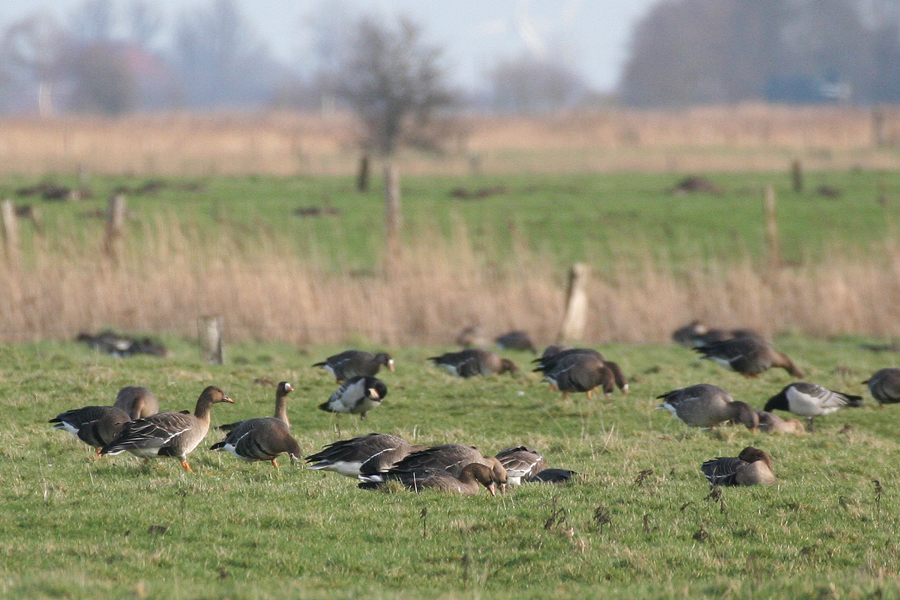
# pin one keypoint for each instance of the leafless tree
(394, 82)
(531, 84)
(31, 50)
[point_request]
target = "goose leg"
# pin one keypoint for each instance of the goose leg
(274, 463)
(589, 393)
(187, 467)
(812, 424)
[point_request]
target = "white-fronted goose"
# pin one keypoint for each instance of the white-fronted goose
(520, 462)
(579, 373)
(474, 362)
(884, 385)
(96, 426)
(705, 405)
(697, 333)
(749, 356)
(173, 434)
(554, 356)
(355, 363)
(515, 340)
(551, 350)
(364, 455)
(472, 337)
(137, 401)
(772, 423)
(281, 392)
(263, 438)
(810, 400)
(471, 476)
(447, 457)
(552, 476)
(751, 467)
(357, 396)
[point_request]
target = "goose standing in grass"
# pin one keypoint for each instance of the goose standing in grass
(576, 373)
(474, 362)
(884, 385)
(751, 467)
(748, 355)
(357, 396)
(470, 478)
(174, 434)
(96, 426)
(556, 359)
(705, 405)
(772, 423)
(364, 455)
(810, 400)
(263, 438)
(137, 401)
(356, 363)
(516, 340)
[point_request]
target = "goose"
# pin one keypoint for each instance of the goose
(554, 356)
(358, 395)
(96, 426)
(356, 363)
(751, 467)
(515, 340)
(772, 423)
(810, 400)
(472, 336)
(552, 476)
(468, 481)
(580, 373)
(551, 350)
(450, 458)
(520, 462)
(363, 455)
(138, 402)
(173, 434)
(696, 334)
(748, 355)
(705, 405)
(262, 438)
(474, 361)
(884, 385)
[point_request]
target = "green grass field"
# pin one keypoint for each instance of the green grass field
(75, 526)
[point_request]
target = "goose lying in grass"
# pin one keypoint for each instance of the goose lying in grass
(446, 458)
(474, 362)
(751, 467)
(468, 481)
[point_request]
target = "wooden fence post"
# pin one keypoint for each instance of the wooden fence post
(797, 175)
(392, 217)
(362, 178)
(773, 249)
(115, 222)
(10, 232)
(575, 316)
(211, 347)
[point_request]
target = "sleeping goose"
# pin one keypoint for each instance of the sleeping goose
(358, 395)
(363, 455)
(772, 423)
(355, 363)
(262, 438)
(137, 401)
(810, 400)
(473, 362)
(751, 467)
(96, 426)
(749, 355)
(884, 385)
(468, 481)
(705, 405)
(173, 434)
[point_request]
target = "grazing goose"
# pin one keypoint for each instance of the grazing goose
(552, 476)
(551, 350)
(365, 455)
(448, 457)
(263, 438)
(884, 385)
(138, 402)
(553, 355)
(357, 396)
(580, 373)
(705, 405)
(751, 467)
(516, 340)
(520, 462)
(696, 334)
(168, 434)
(355, 363)
(96, 426)
(472, 337)
(470, 477)
(772, 423)
(748, 355)
(473, 362)
(810, 400)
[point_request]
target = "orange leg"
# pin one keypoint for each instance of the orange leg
(589, 393)
(565, 395)
(275, 463)
(186, 466)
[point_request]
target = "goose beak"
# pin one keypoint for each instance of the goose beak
(373, 394)
(492, 489)
(390, 365)
(228, 400)
(625, 389)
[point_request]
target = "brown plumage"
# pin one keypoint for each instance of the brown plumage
(470, 478)
(749, 356)
(474, 362)
(705, 405)
(884, 385)
(137, 401)
(447, 457)
(364, 455)
(96, 426)
(356, 363)
(751, 467)
(772, 423)
(516, 340)
(520, 462)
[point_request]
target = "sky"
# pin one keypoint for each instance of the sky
(592, 35)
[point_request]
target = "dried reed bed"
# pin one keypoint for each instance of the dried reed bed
(174, 274)
(738, 138)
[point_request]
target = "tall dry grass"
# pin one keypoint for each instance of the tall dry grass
(739, 138)
(171, 274)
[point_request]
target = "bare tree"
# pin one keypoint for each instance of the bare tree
(530, 84)
(31, 50)
(394, 82)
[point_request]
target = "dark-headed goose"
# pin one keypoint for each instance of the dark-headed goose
(705, 405)
(358, 395)
(473, 362)
(884, 385)
(810, 400)
(749, 356)
(356, 363)
(751, 467)
(174, 434)
(94, 425)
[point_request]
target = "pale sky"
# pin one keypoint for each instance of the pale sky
(592, 34)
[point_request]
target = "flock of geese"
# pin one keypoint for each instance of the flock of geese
(134, 423)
